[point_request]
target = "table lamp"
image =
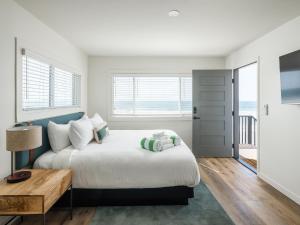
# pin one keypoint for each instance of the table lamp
(22, 138)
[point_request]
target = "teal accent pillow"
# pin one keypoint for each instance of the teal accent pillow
(101, 132)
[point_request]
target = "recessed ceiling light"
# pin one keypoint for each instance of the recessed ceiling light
(174, 13)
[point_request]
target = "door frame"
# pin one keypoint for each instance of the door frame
(236, 121)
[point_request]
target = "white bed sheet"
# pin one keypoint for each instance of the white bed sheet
(120, 162)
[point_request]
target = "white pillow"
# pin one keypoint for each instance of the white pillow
(84, 117)
(81, 133)
(96, 120)
(58, 136)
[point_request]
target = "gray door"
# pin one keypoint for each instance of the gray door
(212, 113)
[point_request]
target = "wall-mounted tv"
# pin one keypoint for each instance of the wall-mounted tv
(290, 78)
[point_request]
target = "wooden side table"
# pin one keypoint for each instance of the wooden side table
(35, 195)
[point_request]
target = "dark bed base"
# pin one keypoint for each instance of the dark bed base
(121, 197)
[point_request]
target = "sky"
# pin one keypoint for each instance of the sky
(248, 83)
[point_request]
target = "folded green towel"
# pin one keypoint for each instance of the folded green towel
(176, 140)
(167, 139)
(151, 144)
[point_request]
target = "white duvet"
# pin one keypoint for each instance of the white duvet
(120, 162)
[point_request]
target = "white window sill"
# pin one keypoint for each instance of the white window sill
(150, 117)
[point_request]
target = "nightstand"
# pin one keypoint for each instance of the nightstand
(35, 195)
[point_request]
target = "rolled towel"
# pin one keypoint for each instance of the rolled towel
(166, 141)
(158, 135)
(167, 146)
(162, 138)
(176, 140)
(165, 137)
(151, 144)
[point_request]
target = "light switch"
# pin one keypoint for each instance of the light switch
(266, 106)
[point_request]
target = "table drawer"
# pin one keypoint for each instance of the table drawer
(20, 205)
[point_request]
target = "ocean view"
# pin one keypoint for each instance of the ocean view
(248, 108)
(165, 107)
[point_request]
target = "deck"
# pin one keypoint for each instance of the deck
(248, 153)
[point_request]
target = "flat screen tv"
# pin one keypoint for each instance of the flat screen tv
(290, 78)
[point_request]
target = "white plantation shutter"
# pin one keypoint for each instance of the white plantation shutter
(36, 83)
(45, 86)
(186, 94)
(151, 95)
(76, 89)
(123, 95)
(157, 95)
(63, 88)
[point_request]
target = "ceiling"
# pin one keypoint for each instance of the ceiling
(143, 27)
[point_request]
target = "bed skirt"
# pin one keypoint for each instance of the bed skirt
(178, 195)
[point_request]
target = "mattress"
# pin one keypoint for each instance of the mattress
(120, 162)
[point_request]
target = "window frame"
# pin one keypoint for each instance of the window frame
(143, 117)
(52, 89)
(23, 114)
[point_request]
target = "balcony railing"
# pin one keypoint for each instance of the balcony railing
(248, 126)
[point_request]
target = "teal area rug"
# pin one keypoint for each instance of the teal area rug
(203, 209)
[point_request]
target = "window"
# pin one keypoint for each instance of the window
(36, 83)
(46, 86)
(151, 95)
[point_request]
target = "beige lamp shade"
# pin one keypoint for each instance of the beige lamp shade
(23, 138)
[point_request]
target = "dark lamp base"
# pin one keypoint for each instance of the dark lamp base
(18, 176)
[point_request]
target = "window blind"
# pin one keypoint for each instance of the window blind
(63, 88)
(151, 95)
(76, 89)
(36, 83)
(186, 94)
(46, 86)
(123, 95)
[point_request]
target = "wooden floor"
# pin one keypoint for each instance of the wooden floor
(246, 198)
(81, 216)
(251, 162)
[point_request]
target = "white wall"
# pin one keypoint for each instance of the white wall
(16, 22)
(100, 68)
(280, 131)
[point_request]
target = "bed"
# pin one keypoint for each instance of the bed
(120, 172)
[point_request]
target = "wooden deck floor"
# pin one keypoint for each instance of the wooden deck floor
(251, 162)
(247, 199)
(248, 153)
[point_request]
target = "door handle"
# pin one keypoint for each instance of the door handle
(196, 117)
(194, 109)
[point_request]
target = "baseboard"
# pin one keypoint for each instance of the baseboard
(294, 197)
